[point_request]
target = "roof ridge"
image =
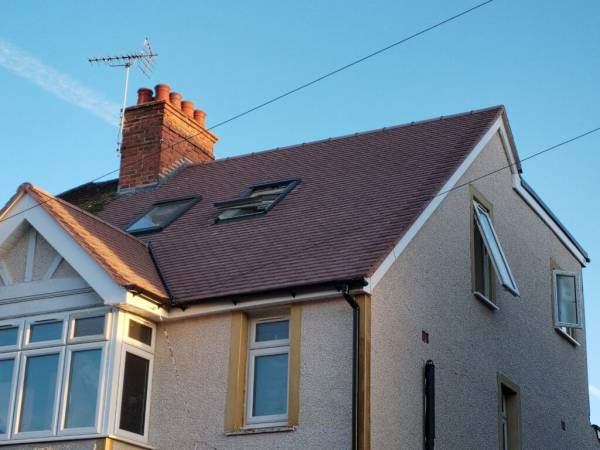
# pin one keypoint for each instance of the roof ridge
(500, 108)
(37, 190)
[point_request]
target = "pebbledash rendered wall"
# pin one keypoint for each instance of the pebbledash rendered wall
(429, 288)
(189, 386)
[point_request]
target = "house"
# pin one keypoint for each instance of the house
(383, 290)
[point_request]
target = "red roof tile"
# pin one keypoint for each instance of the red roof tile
(357, 196)
(125, 258)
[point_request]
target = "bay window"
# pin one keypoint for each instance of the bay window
(55, 373)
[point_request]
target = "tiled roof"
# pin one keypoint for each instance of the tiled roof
(125, 258)
(358, 195)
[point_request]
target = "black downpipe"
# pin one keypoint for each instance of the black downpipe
(429, 405)
(355, 357)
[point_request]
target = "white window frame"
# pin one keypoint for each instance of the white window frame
(134, 342)
(21, 388)
(274, 347)
(557, 323)
(64, 348)
(41, 320)
(9, 324)
(71, 339)
(511, 284)
(13, 387)
(103, 346)
(138, 351)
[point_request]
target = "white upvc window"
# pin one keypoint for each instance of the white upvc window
(83, 389)
(53, 374)
(567, 293)
(135, 379)
(9, 367)
(268, 372)
(494, 249)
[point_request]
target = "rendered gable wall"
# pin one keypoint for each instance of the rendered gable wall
(36, 279)
(429, 288)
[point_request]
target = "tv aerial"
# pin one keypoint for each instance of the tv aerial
(143, 59)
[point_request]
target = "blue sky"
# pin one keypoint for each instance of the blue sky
(542, 62)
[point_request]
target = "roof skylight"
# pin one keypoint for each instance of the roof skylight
(161, 215)
(259, 199)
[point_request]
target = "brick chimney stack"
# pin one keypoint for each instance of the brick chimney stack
(161, 133)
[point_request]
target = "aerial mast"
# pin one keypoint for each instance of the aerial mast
(145, 62)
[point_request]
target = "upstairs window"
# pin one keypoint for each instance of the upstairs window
(268, 355)
(567, 308)
(161, 215)
(259, 199)
(489, 251)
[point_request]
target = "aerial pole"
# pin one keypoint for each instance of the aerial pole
(145, 62)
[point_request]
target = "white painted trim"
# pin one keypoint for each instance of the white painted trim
(65, 245)
(267, 348)
(433, 205)
(150, 358)
(5, 274)
(541, 212)
(30, 258)
(53, 267)
(44, 288)
(24, 356)
(66, 382)
(13, 392)
(208, 309)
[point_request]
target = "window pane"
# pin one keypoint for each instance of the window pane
(8, 336)
(89, 326)
(494, 249)
(6, 375)
(271, 331)
(84, 380)
(160, 215)
(50, 331)
(37, 407)
(140, 332)
(135, 386)
(270, 385)
(567, 300)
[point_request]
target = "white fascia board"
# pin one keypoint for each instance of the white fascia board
(25, 208)
(208, 309)
(389, 260)
(541, 212)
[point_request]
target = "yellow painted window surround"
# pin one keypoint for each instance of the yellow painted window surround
(235, 419)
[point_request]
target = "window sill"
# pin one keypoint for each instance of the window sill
(486, 301)
(572, 341)
(260, 430)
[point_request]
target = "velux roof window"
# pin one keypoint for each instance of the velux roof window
(259, 199)
(161, 215)
(493, 248)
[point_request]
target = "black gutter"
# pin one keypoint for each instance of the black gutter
(548, 211)
(355, 358)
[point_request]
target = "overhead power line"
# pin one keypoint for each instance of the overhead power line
(466, 183)
(340, 69)
(521, 160)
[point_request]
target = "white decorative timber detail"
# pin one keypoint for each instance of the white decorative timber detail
(5, 274)
(53, 267)
(30, 255)
(24, 207)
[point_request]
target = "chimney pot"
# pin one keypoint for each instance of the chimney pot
(187, 108)
(144, 95)
(162, 91)
(200, 116)
(175, 100)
